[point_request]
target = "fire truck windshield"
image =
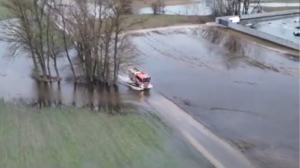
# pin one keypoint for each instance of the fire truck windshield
(143, 80)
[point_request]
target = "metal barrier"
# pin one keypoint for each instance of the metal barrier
(270, 14)
(225, 22)
(263, 35)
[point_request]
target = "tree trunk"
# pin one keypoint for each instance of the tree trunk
(115, 57)
(66, 48)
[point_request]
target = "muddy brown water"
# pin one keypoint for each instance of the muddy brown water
(245, 94)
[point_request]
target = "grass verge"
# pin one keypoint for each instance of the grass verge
(4, 13)
(70, 137)
(153, 21)
(274, 9)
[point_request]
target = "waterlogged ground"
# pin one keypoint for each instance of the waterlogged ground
(70, 137)
(17, 85)
(244, 93)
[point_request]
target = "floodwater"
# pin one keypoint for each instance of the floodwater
(198, 8)
(249, 97)
(17, 86)
(245, 94)
(283, 28)
(201, 8)
(279, 4)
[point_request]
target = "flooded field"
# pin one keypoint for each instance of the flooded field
(135, 138)
(200, 7)
(17, 86)
(245, 94)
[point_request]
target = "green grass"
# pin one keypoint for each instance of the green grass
(4, 13)
(76, 138)
(274, 9)
(152, 21)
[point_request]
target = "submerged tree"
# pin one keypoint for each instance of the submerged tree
(32, 31)
(44, 28)
(233, 7)
(158, 7)
(96, 26)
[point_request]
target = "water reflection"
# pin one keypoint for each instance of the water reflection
(106, 98)
(17, 85)
(192, 47)
(240, 51)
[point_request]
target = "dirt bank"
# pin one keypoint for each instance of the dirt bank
(157, 21)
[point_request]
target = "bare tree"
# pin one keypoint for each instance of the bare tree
(126, 6)
(18, 32)
(158, 7)
(96, 27)
(58, 10)
(45, 27)
(32, 31)
(231, 7)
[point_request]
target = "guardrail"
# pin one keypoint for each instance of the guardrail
(270, 14)
(263, 35)
(238, 27)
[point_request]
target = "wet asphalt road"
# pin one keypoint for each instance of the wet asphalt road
(252, 101)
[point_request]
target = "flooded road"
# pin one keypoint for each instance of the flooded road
(249, 98)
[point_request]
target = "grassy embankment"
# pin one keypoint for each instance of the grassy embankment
(274, 9)
(74, 138)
